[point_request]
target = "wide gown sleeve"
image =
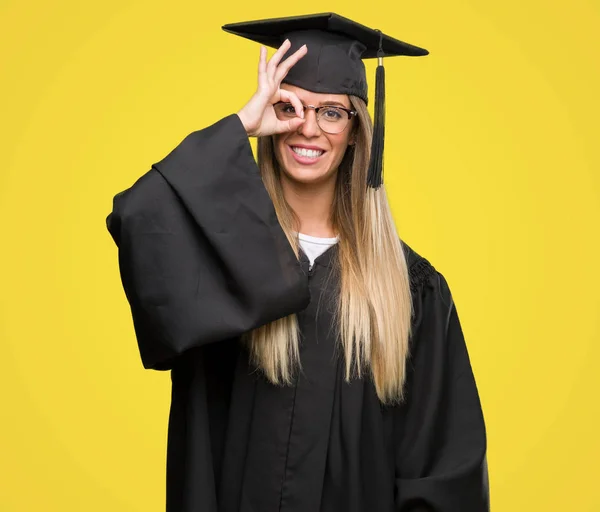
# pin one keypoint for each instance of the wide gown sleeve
(202, 257)
(441, 458)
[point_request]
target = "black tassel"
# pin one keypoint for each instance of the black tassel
(375, 173)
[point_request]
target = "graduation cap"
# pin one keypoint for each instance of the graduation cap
(333, 64)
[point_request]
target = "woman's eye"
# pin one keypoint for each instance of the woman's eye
(332, 114)
(288, 109)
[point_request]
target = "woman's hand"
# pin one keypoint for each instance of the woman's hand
(258, 115)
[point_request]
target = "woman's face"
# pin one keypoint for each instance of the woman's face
(313, 167)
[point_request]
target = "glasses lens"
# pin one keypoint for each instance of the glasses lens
(332, 119)
(284, 111)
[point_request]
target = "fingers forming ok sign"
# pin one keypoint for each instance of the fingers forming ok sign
(258, 115)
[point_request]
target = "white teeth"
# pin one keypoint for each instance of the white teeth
(310, 153)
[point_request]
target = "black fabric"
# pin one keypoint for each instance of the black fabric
(336, 47)
(202, 260)
(181, 231)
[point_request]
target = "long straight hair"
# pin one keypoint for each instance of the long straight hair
(374, 308)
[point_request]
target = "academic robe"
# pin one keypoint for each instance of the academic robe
(202, 260)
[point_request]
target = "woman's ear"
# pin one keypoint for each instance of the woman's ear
(353, 135)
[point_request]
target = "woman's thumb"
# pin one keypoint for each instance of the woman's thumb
(296, 123)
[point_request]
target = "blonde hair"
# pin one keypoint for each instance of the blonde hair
(374, 306)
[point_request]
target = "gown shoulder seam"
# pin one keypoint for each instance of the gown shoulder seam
(419, 268)
(419, 271)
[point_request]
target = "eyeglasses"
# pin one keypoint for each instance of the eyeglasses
(329, 118)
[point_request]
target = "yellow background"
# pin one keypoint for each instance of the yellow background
(492, 166)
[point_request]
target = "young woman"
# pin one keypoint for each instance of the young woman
(317, 361)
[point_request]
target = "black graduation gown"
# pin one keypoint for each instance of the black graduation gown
(202, 260)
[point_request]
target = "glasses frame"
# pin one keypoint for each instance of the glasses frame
(350, 113)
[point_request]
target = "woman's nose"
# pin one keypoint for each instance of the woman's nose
(310, 127)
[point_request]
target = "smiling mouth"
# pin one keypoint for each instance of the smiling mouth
(307, 153)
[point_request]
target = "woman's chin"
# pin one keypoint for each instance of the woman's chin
(306, 174)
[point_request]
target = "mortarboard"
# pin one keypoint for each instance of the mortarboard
(333, 64)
